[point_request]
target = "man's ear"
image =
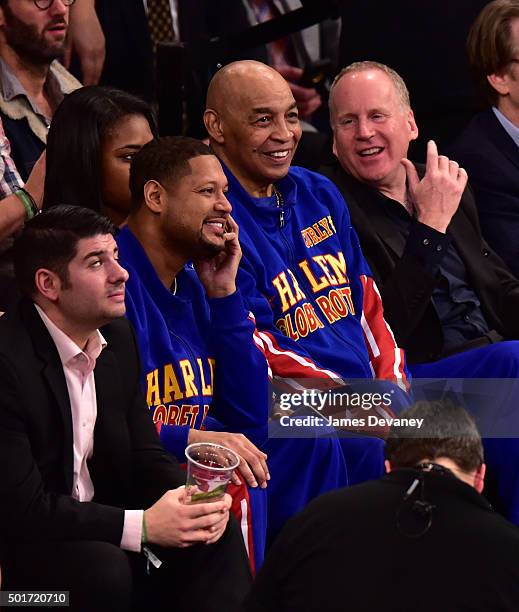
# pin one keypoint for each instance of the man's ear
(48, 284)
(499, 82)
(413, 128)
(387, 465)
(479, 478)
(334, 146)
(154, 196)
(213, 125)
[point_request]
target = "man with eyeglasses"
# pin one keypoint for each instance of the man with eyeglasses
(32, 83)
(489, 146)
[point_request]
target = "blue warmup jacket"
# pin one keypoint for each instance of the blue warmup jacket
(308, 285)
(318, 312)
(201, 368)
(200, 364)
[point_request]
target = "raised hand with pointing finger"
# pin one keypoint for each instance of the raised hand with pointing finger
(437, 195)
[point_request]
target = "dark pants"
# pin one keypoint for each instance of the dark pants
(101, 576)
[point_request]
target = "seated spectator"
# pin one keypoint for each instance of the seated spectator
(89, 483)
(32, 81)
(489, 146)
(253, 124)
(94, 135)
(202, 372)
(450, 300)
(442, 545)
(88, 165)
(302, 273)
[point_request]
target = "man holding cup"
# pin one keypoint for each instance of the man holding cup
(85, 459)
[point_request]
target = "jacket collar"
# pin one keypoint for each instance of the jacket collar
(260, 207)
(498, 135)
(439, 482)
(133, 254)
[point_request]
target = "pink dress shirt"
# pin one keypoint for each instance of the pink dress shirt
(78, 367)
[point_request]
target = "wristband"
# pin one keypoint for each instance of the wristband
(31, 210)
(144, 535)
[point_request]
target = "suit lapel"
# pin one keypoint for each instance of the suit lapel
(109, 422)
(107, 381)
(385, 229)
(53, 374)
(368, 213)
(458, 227)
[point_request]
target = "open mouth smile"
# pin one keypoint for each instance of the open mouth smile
(278, 155)
(371, 152)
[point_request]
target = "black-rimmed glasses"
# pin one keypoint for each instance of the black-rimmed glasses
(45, 4)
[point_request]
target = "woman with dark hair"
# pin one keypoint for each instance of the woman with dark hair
(95, 133)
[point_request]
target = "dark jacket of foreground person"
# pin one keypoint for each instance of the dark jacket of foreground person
(352, 550)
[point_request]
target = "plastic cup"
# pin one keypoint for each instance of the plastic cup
(209, 470)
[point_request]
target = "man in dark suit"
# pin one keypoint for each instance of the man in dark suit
(489, 146)
(89, 486)
(450, 300)
(442, 545)
(444, 291)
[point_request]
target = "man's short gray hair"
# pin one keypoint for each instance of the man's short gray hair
(396, 79)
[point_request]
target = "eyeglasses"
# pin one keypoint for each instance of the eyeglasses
(43, 5)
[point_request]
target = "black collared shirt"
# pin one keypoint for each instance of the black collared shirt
(455, 301)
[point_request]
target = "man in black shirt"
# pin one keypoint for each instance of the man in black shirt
(444, 291)
(451, 302)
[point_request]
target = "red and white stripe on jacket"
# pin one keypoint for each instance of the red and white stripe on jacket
(293, 367)
(386, 358)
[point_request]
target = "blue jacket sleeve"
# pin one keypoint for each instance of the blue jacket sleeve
(240, 396)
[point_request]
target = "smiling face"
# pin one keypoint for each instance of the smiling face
(372, 128)
(196, 210)
(257, 130)
(93, 292)
(119, 145)
(36, 35)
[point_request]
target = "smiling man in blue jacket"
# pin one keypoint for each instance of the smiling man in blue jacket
(299, 249)
(317, 309)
